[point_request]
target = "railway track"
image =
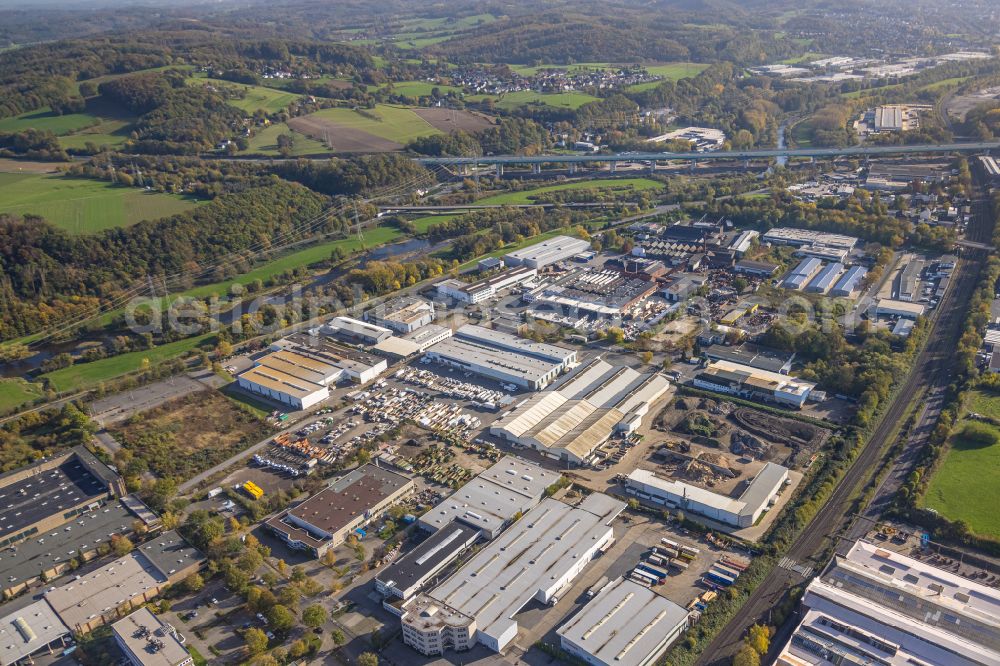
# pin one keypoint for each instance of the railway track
(933, 362)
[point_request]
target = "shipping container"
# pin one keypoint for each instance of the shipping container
(657, 560)
(642, 575)
(719, 577)
(641, 580)
(665, 551)
(679, 564)
(734, 564)
(690, 549)
(653, 569)
(729, 571)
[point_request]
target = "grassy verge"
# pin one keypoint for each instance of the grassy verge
(17, 392)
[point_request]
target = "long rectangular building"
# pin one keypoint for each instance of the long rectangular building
(490, 501)
(736, 512)
(626, 624)
(570, 422)
(326, 519)
(505, 358)
(539, 255)
(826, 278)
(407, 575)
(487, 288)
(876, 606)
(145, 640)
(537, 559)
(849, 282)
(800, 237)
(749, 382)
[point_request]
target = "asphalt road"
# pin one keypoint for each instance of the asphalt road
(931, 367)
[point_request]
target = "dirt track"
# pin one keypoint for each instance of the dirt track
(449, 120)
(342, 139)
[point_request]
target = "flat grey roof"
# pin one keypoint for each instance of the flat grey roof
(439, 548)
(24, 631)
(170, 553)
(150, 640)
(502, 340)
(473, 352)
(548, 250)
(493, 497)
(763, 358)
(47, 549)
(624, 624)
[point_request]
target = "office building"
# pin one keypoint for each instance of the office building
(145, 640)
(739, 512)
(748, 382)
(537, 559)
(877, 606)
(487, 288)
(571, 422)
(549, 251)
(406, 576)
(491, 500)
(326, 519)
(503, 357)
(626, 624)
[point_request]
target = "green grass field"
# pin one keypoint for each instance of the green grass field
(44, 119)
(394, 123)
(266, 141)
(16, 392)
(87, 375)
(269, 100)
(81, 205)
(966, 485)
(424, 223)
(987, 404)
(620, 184)
(420, 88)
(102, 123)
(566, 100)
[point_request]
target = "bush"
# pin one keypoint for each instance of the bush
(979, 434)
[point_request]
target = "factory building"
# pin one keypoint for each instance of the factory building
(741, 512)
(571, 422)
(749, 382)
(291, 378)
(684, 287)
(825, 279)
(886, 307)
(355, 331)
(593, 293)
(849, 282)
(537, 559)
(502, 357)
(909, 281)
(490, 501)
(47, 494)
(752, 355)
(626, 624)
(407, 575)
(403, 315)
(485, 289)
(802, 237)
(877, 606)
(145, 640)
(326, 519)
(550, 251)
(756, 268)
(803, 273)
(32, 631)
(413, 343)
(743, 242)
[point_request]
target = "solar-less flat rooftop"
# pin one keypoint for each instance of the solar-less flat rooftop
(150, 640)
(27, 630)
(47, 549)
(34, 498)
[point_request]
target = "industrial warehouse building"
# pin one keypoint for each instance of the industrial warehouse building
(626, 624)
(355, 331)
(326, 519)
(570, 422)
(808, 237)
(302, 367)
(490, 501)
(826, 278)
(503, 357)
(537, 559)
(145, 640)
(47, 494)
(403, 315)
(886, 307)
(803, 273)
(30, 631)
(755, 356)
(876, 606)
(740, 512)
(550, 251)
(849, 283)
(749, 382)
(592, 293)
(407, 575)
(485, 289)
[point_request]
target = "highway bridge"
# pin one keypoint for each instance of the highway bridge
(737, 155)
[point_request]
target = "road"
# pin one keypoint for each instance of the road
(852, 151)
(930, 368)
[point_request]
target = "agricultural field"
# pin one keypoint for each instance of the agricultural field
(16, 392)
(268, 100)
(188, 435)
(966, 484)
(450, 120)
(84, 206)
(420, 88)
(88, 375)
(565, 100)
(618, 184)
(265, 141)
(101, 123)
(382, 129)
